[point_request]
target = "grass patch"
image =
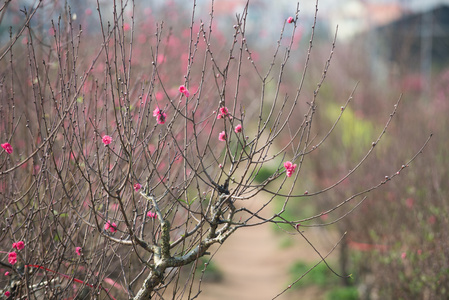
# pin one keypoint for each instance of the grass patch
(320, 275)
(343, 293)
(211, 274)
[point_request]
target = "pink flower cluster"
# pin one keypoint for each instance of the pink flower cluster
(78, 251)
(106, 140)
(184, 90)
(160, 116)
(137, 187)
(152, 215)
(12, 257)
(7, 147)
(224, 112)
(19, 245)
(290, 168)
(112, 227)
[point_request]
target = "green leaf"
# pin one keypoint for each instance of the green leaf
(188, 202)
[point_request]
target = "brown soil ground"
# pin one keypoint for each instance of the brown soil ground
(255, 266)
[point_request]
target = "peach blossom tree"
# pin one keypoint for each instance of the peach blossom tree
(132, 142)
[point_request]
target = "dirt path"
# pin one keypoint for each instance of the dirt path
(255, 267)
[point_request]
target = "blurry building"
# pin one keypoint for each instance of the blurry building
(355, 16)
(412, 48)
(417, 41)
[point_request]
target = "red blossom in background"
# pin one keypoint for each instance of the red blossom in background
(290, 168)
(78, 251)
(137, 187)
(222, 136)
(6, 273)
(106, 140)
(7, 294)
(7, 147)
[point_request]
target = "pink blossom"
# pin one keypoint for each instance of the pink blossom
(7, 147)
(224, 112)
(290, 168)
(156, 112)
(7, 294)
(161, 118)
(184, 90)
(113, 227)
(159, 96)
(238, 128)
(6, 273)
(106, 139)
(19, 245)
(78, 251)
(403, 255)
(290, 20)
(137, 187)
(222, 136)
(12, 257)
(160, 115)
(152, 215)
(161, 58)
(126, 27)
